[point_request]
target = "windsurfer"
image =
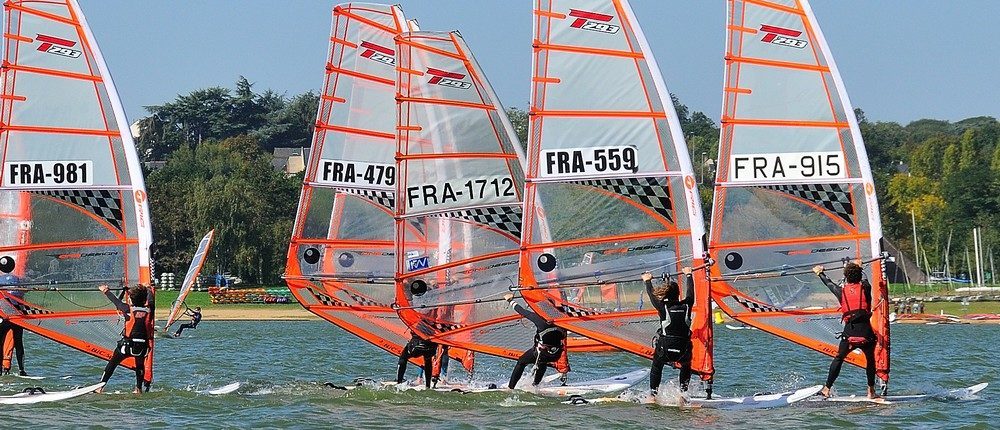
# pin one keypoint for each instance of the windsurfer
(673, 338)
(855, 298)
(15, 331)
(549, 348)
(417, 347)
(135, 336)
(195, 315)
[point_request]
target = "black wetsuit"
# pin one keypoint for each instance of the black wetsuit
(134, 344)
(195, 319)
(18, 335)
(861, 327)
(673, 338)
(547, 349)
(417, 347)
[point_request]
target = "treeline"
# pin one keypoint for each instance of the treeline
(217, 144)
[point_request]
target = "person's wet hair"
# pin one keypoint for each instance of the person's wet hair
(853, 273)
(673, 291)
(669, 291)
(137, 295)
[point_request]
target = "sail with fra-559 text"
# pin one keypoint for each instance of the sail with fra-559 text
(610, 190)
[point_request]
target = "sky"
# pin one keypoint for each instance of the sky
(901, 60)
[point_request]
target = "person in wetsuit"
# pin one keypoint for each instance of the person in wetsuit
(549, 348)
(855, 298)
(417, 347)
(16, 331)
(195, 319)
(673, 338)
(135, 336)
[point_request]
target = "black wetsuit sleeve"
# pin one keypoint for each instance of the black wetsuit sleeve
(837, 290)
(867, 286)
(688, 290)
(122, 307)
(657, 304)
(535, 319)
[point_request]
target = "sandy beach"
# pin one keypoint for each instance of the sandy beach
(269, 313)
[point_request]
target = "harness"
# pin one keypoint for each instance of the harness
(130, 344)
(676, 327)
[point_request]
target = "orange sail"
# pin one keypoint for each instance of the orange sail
(342, 252)
(73, 207)
(794, 188)
(459, 207)
(610, 189)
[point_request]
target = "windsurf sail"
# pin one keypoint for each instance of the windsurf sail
(73, 206)
(458, 216)
(610, 188)
(793, 188)
(197, 261)
(341, 257)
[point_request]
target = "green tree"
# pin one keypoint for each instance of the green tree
(228, 186)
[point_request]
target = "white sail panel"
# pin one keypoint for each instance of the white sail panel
(190, 278)
(72, 183)
(459, 207)
(610, 188)
(794, 189)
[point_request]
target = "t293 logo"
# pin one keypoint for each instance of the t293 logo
(593, 21)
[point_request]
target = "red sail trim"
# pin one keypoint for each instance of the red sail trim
(20, 8)
(98, 351)
(352, 130)
(594, 113)
(7, 66)
(333, 69)
(381, 341)
(781, 64)
(589, 51)
(59, 130)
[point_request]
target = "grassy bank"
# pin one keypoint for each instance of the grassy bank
(953, 308)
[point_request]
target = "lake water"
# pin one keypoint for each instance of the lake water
(282, 366)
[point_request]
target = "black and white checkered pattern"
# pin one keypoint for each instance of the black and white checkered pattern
(26, 309)
(103, 203)
(754, 306)
(575, 311)
(650, 192)
(364, 301)
(504, 218)
(832, 197)
(384, 198)
(325, 299)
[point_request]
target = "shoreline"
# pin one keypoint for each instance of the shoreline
(297, 313)
(262, 314)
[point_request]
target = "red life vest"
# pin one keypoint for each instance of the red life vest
(852, 299)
